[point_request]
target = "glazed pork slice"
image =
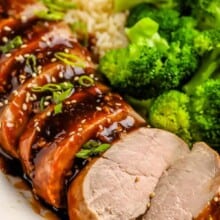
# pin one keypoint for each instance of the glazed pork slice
(51, 35)
(120, 183)
(15, 115)
(185, 190)
(53, 163)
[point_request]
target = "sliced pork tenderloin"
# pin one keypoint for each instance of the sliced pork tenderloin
(21, 103)
(32, 135)
(120, 183)
(87, 120)
(49, 36)
(187, 187)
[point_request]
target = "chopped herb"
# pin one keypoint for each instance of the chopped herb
(12, 44)
(56, 9)
(50, 15)
(92, 148)
(70, 59)
(31, 62)
(86, 81)
(42, 103)
(59, 91)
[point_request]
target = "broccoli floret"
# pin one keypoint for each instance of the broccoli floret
(168, 19)
(207, 43)
(170, 112)
(145, 31)
(144, 72)
(207, 12)
(120, 5)
(205, 113)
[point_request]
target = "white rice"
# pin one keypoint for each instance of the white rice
(102, 22)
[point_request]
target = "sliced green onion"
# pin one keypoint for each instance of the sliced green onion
(58, 108)
(42, 100)
(59, 93)
(59, 5)
(56, 9)
(12, 44)
(31, 62)
(70, 59)
(50, 87)
(92, 148)
(86, 81)
(50, 15)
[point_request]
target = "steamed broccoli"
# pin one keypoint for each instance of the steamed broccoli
(149, 65)
(168, 19)
(207, 12)
(193, 118)
(170, 112)
(207, 43)
(120, 5)
(205, 113)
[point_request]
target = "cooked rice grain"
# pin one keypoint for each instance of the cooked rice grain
(102, 22)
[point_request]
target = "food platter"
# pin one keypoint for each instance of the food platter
(109, 105)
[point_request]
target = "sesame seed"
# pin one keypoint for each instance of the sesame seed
(46, 103)
(10, 124)
(118, 104)
(23, 45)
(100, 127)
(148, 205)
(24, 107)
(76, 78)
(53, 79)
(80, 129)
(5, 39)
(48, 114)
(23, 18)
(53, 59)
(38, 129)
(8, 54)
(19, 58)
(216, 199)
(61, 75)
(152, 194)
(83, 121)
(72, 133)
(15, 92)
(73, 101)
(26, 55)
(98, 108)
(1, 104)
(7, 28)
(6, 101)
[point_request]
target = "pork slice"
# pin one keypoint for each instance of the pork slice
(120, 183)
(15, 115)
(53, 163)
(184, 191)
(56, 34)
(32, 133)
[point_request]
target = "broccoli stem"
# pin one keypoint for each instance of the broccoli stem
(210, 64)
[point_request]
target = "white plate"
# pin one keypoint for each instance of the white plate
(17, 202)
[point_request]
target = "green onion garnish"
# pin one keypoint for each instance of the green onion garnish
(56, 9)
(59, 92)
(86, 81)
(12, 44)
(70, 59)
(50, 15)
(31, 62)
(92, 148)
